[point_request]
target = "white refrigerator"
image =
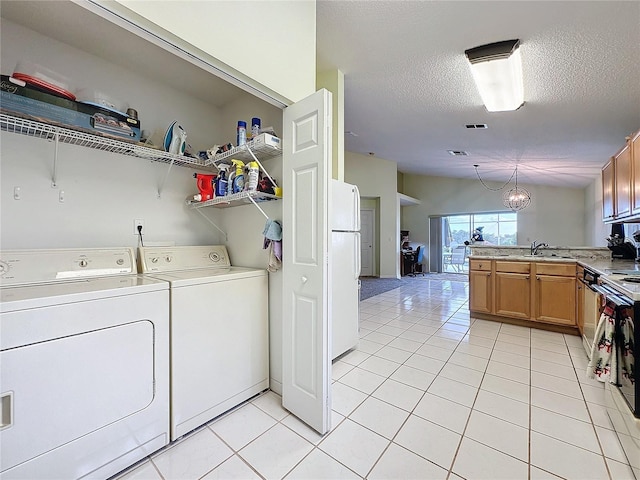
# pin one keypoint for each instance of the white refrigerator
(344, 267)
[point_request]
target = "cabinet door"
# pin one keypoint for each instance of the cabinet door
(480, 291)
(608, 192)
(635, 173)
(622, 174)
(513, 295)
(555, 299)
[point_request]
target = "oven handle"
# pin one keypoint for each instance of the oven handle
(612, 295)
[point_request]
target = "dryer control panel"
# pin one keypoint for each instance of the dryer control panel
(171, 259)
(27, 267)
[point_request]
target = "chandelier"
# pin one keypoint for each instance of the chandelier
(516, 198)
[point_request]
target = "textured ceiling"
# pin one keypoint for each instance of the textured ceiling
(409, 91)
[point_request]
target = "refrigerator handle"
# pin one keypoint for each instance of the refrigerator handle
(358, 264)
(356, 214)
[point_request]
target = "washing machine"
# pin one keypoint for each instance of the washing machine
(219, 330)
(84, 385)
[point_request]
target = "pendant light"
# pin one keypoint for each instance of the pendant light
(516, 198)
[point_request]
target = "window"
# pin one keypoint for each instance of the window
(499, 228)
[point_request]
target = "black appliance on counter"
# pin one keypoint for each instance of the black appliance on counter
(619, 246)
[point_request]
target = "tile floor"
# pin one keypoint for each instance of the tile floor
(429, 393)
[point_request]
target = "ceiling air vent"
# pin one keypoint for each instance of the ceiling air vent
(476, 125)
(458, 153)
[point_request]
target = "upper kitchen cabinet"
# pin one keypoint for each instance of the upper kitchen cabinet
(634, 151)
(608, 192)
(248, 40)
(621, 183)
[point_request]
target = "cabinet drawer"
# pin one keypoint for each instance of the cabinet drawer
(562, 269)
(483, 265)
(513, 267)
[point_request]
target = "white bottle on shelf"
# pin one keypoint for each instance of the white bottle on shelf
(251, 185)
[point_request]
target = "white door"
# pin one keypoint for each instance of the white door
(367, 225)
(306, 362)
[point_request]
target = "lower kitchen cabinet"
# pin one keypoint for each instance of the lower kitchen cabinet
(513, 295)
(533, 292)
(555, 299)
(480, 291)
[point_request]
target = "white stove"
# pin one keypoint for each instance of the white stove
(84, 363)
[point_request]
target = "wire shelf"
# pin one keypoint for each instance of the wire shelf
(9, 123)
(263, 146)
(236, 199)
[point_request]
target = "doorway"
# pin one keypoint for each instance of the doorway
(367, 242)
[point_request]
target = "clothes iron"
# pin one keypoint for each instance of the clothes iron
(175, 140)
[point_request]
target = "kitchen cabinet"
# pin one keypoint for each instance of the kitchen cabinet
(622, 175)
(480, 286)
(635, 173)
(537, 293)
(608, 192)
(554, 293)
(513, 289)
(621, 183)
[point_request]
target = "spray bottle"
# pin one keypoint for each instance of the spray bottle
(221, 180)
(237, 178)
(253, 174)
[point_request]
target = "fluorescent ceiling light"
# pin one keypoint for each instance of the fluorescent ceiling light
(497, 71)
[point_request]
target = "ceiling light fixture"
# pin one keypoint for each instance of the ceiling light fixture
(497, 71)
(516, 198)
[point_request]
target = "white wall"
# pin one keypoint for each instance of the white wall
(376, 178)
(254, 38)
(556, 215)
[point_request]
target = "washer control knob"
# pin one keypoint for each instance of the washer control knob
(168, 258)
(154, 260)
(120, 261)
(214, 256)
(4, 268)
(83, 263)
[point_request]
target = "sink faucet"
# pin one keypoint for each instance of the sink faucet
(535, 246)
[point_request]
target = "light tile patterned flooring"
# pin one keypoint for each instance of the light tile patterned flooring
(429, 393)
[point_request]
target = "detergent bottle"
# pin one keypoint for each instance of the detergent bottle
(237, 178)
(205, 185)
(253, 174)
(221, 180)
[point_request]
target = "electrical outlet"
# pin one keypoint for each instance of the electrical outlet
(138, 223)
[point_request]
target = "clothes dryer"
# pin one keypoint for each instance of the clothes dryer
(219, 331)
(84, 383)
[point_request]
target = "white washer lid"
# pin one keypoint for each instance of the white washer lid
(206, 275)
(81, 290)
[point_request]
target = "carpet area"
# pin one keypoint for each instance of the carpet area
(371, 286)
